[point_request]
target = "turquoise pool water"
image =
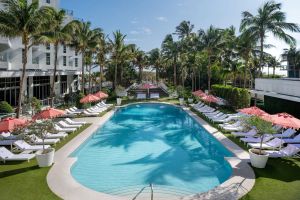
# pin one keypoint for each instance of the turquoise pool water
(151, 143)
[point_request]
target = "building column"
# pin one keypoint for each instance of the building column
(30, 87)
(70, 84)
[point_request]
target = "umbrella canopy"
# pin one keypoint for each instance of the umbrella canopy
(48, 114)
(210, 99)
(283, 119)
(199, 93)
(89, 98)
(253, 111)
(148, 86)
(101, 95)
(9, 124)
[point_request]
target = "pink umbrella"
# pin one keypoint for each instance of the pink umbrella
(9, 124)
(101, 95)
(253, 111)
(89, 98)
(48, 114)
(283, 119)
(199, 93)
(148, 86)
(210, 99)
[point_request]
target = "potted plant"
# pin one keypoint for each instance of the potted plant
(181, 93)
(258, 157)
(120, 91)
(44, 157)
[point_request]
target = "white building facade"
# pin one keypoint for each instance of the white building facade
(40, 67)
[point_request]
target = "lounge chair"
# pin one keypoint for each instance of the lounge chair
(273, 144)
(141, 96)
(60, 135)
(38, 141)
(256, 139)
(213, 113)
(7, 142)
(8, 136)
(250, 133)
(154, 96)
(7, 155)
(68, 120)
(65, 125)
(67, 130)
(24, 146)
(86, 113)
(286, 134)
(289, 151)
(293, 140)
(69, 111)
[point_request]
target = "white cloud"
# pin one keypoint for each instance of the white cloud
(134, 21)
(162, 19)
(147, 30)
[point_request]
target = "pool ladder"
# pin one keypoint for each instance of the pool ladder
(141, 191)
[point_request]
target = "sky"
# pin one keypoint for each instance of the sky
(147, 22)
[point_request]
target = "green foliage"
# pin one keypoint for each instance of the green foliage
(36, 104)
(5, 107)
(180, 91)
(236, 97)
(78, 104)
(260, 125)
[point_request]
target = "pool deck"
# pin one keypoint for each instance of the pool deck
(62, 183)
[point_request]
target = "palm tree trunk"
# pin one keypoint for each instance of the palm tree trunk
(261, 53)
(20, 99)
(175, 73)
(54, 75)
(82, 72)
(274, 71)
(101, 75)
(245, 72)
(116, 75)
(90, 78)
(209, 74)
(156, 75)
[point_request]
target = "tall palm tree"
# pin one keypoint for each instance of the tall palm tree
(18, 18)
(170, 50)
(156, 61)
(211, 41)
(184, 29)
(85, 39)
(293, 58)
(118, 49)
(60, 33)
(269, 19)
(140, 60)
(102, 52)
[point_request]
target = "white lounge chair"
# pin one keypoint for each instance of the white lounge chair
(38, 141)
(69, 111)
(9, 136)
(286, 134)
(273, 144)
(60, 135)
(289, 151)
(68, 120)
(65, 125)
(141, 96)
(7, 142)
(6, 155)
(67, 130)
(256, 139)
(86, 113)
(154, 96)
(250, 133)
(295, 140)
(24, 146)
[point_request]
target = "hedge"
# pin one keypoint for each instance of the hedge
(5, 107)
(236, 97)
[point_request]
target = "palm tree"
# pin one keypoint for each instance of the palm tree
(156, 61)
(85, 39)
(269, 19)
(18, 18)
(140, 60)
(211, 42)
(293, 58)
(170, 50)
(102, 51)
(60, 33)
(184, 29)
(118, 49)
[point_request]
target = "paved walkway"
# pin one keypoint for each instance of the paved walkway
(62, 183)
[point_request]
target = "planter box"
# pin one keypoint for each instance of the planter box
(119, 101)
(47, 159)
(258, 161)
(181, 101)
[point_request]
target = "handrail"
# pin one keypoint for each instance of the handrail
(141, 191)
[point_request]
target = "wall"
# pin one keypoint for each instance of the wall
(274, 105)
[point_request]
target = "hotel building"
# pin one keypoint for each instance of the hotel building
(40, 67)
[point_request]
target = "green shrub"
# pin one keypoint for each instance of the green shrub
(78, 104)
(36, 104)
(5, 107)
(236, 97)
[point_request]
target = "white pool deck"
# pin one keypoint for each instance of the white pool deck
(62, 183)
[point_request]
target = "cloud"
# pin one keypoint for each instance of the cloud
(162, 19)
(147, 30)
(134, 21)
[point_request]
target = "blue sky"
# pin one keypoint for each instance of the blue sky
(146, 22)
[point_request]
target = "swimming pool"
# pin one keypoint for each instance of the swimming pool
(151, 143)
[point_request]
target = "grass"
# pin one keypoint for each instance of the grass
(279, 180)
(25, 180)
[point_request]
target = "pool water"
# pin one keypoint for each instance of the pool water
(151, 143)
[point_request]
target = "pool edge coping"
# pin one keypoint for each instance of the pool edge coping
(66, 187)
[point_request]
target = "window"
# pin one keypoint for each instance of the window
(70, 61)
(9, 90)
(64, 60)
(35, 58)
(48, 1)
(76, 53)
(48, 62)
(41, 87)
(48, 47)
(76, 62)
(23, 55)
(63, 84)
(65, 49)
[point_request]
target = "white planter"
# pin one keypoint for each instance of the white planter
(119, 101)
(130, 97)
(181, 101)
(45, 160)
(190, 100)
(258, 161)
